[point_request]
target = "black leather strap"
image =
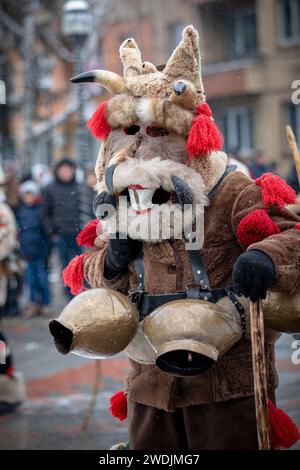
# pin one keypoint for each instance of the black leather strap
(199, 269)
(228, 169)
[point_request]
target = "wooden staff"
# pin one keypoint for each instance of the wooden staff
(259, 374)
(293, 146)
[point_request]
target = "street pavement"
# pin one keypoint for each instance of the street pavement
(59, 390)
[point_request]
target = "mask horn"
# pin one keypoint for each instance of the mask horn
(111, 81)
(131, 58)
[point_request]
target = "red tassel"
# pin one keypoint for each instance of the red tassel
(98, 123)
(204, 136)
(73, 274)
(10, 371)
(88, 234)
(275, 191)
(256, 227)
(283, 431)
(118, 405)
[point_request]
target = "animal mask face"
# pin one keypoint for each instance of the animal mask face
(155, 124)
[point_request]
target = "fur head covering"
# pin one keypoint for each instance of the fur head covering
(172, 99)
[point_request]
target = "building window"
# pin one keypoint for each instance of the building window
(289, 20)
(236, 125)
(174, 35)
(241, 35)
(293, 118)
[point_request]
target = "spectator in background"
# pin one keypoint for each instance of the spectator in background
(34, 247)
(258, 166)
(234, 158)
(12, 388)
(41, 174)
(67, 209)
(293, 180)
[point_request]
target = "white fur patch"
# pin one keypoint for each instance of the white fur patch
(145, 110)
(156, 173)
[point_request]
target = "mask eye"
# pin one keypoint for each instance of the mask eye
(131, 130)
(157, 131)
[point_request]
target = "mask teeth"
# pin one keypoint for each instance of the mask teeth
(141, 199)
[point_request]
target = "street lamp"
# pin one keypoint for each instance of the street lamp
(77, 25)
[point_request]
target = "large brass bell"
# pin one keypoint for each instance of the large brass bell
(282, 312)
(189, 336)
(97, 323)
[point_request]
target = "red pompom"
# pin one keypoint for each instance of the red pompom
(10, 371)
(283, 431)
(118, 405)
(256, 227)
(275, 191)
(204, 136)
(297, 226)
(88, 234)
(73, 274)
(98, 123)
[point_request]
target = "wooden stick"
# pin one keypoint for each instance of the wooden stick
(92, 404)
(293, 146)
(259, 374)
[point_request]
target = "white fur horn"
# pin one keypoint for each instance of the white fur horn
(111, 81)
(131, 58)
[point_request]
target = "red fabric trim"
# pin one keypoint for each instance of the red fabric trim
(98, 123)
(256, 227)
(204, 136)
(118, 405)
(73, 274)
(88, 234)
(275, 191)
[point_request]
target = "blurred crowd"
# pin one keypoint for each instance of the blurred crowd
(47, 210)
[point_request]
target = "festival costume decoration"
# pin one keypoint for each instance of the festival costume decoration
(182, 322)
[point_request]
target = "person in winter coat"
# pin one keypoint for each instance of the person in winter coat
(67, 208)
(12, 389)
(34, 247)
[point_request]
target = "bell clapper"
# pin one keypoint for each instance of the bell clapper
(190, 357)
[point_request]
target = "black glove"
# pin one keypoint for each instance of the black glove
(253, 274)
(119, 254)
(102, 199)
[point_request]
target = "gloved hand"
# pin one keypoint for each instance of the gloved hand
(101, 202)
(119, 254)
(253, 274)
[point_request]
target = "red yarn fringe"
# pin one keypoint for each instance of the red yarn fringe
(73, 274)
(283, 431)
(98, 123)
(256, 227)
(118, 405)
(275, 191)
(88, 234)
(204, 136)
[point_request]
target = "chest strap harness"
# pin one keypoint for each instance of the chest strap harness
(201, 290)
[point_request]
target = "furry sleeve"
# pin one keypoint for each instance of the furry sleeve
(94, 266)
(269, 227)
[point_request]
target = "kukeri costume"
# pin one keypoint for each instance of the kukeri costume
(183, 325)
